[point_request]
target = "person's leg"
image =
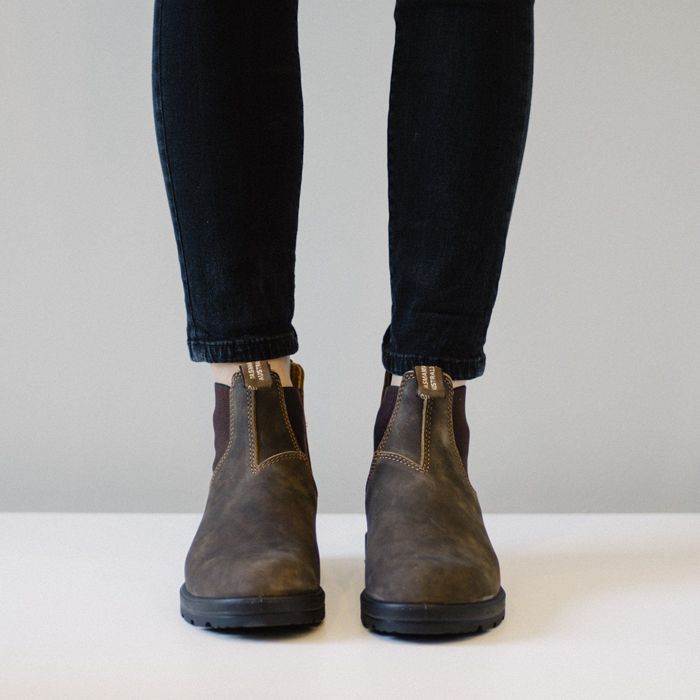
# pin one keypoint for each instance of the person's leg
(459, 108)
(228, 111)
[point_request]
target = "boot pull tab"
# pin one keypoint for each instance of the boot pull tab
(429, 381)
(256, 375)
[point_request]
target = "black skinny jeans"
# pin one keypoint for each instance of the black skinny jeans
(229, 120)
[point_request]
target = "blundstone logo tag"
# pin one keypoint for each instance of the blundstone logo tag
(256, 375)
(429, 380)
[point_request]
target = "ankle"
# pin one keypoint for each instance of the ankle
(224, 371)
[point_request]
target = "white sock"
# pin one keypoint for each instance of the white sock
(224, 371)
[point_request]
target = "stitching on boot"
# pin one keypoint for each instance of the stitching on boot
(426, 430)
(392, 456)
(252, 430)
(424, 465)
(285, 415)
(253, 464)
(387, 432)
(278, 457)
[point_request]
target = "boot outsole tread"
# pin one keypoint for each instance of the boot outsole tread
(299, 610)
(431, 619)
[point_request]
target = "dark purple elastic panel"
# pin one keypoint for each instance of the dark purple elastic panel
(221, 419)
(384, 414)
(459, 418)
(295, 411)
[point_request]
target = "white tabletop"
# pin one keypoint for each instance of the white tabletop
(599, 606)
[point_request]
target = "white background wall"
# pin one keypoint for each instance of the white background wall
(591, 398)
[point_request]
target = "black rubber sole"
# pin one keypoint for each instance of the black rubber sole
(303, 610)
(432, 619)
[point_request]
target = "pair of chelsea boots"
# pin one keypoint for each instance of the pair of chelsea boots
(429, 565)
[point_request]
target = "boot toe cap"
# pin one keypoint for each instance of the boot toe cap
(433, 582)
(241, 577)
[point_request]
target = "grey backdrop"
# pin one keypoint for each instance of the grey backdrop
(591, 397)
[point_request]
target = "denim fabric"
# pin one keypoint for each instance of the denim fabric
(229, 122)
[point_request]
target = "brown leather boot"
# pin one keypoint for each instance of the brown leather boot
(429, 567)
(254, 560)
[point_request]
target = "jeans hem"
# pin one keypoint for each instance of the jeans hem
(244, 349)
(457, 368)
